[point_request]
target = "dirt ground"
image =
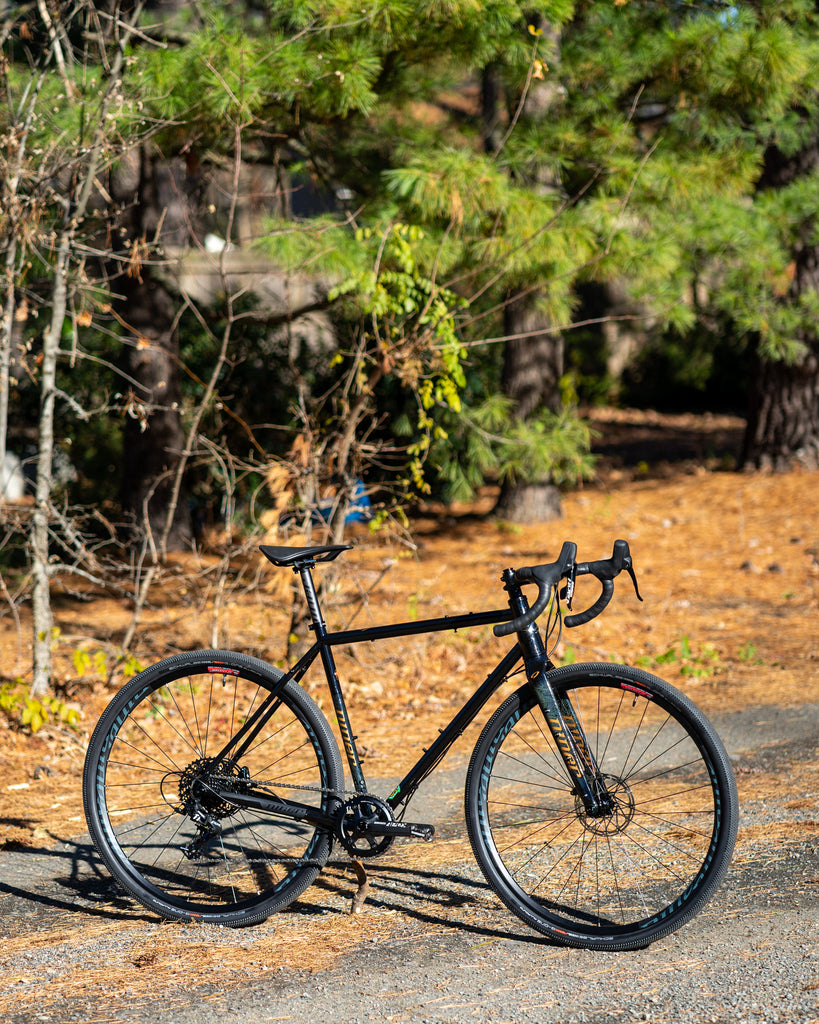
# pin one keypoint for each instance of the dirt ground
(728, 566)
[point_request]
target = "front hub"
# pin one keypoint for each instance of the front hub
(620, 801)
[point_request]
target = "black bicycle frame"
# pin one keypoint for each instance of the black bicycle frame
(560, 716)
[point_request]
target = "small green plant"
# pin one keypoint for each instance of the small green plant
(33, 713)
(87, 664)
(701, 665)
(131, 665)
(749, 654)
(698, 665)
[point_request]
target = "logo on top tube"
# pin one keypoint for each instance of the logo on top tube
(637, 690)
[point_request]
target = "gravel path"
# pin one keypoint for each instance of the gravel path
(435, 945)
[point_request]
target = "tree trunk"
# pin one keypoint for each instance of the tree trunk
(532, 368)
(161, 199)
(783, 405)
(42, 616)
(783, 416)
(533, 352)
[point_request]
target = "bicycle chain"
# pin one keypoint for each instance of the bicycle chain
(274, 783)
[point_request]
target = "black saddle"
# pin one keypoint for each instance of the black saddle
(297, 558)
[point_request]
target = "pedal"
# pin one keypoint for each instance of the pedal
(419, 831)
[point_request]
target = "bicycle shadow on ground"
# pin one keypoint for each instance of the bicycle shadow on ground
(34, 876)
(428, 897)
(71, 879)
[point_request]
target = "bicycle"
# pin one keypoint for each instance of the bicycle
(600, 803)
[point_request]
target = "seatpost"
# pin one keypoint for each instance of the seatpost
(310, 594)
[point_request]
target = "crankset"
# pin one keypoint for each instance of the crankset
(366, 827)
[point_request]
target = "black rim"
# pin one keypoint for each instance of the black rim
(155, 769)
(632, 870)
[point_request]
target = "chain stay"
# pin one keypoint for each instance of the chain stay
(275, 784)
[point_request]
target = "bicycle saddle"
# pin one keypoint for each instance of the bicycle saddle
(297, 557)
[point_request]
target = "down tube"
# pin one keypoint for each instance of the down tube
(403, 792)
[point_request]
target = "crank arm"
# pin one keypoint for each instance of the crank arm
(407, 829)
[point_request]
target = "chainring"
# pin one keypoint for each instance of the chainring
(354, 821)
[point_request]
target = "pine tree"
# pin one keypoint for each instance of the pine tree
(380, 109)
(719, 102)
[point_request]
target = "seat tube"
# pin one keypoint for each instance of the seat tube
(328, 661)
(560, 717)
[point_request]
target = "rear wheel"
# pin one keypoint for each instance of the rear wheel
(151, 778)
(625, 879)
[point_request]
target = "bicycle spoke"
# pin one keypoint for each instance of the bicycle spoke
(621, 868)
(161, 773)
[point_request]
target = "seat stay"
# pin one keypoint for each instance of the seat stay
(257, 719)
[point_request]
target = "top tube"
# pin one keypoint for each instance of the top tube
(438, 625)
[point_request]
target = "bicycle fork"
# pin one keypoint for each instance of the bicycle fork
(564, 725)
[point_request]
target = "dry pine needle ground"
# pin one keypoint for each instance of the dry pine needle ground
(728, 566)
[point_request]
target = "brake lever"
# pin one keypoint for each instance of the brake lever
(567, 593)
(630, 570)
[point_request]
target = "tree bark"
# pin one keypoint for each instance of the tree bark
(532, 359)
(162, 208)
(533, 351)
(783, 415)
(532, 368)
(42, 616)
(783, 403)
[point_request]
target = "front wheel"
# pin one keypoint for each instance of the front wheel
(623, 880)
(167, 753)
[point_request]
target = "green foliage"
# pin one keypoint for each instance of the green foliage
(413, 338)
(642, 168)
(32, 713)
(749, 654)
(96, 664)
(706, 88)
(698, 664)
(451, 186)
(86, 664)
(487, 442)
